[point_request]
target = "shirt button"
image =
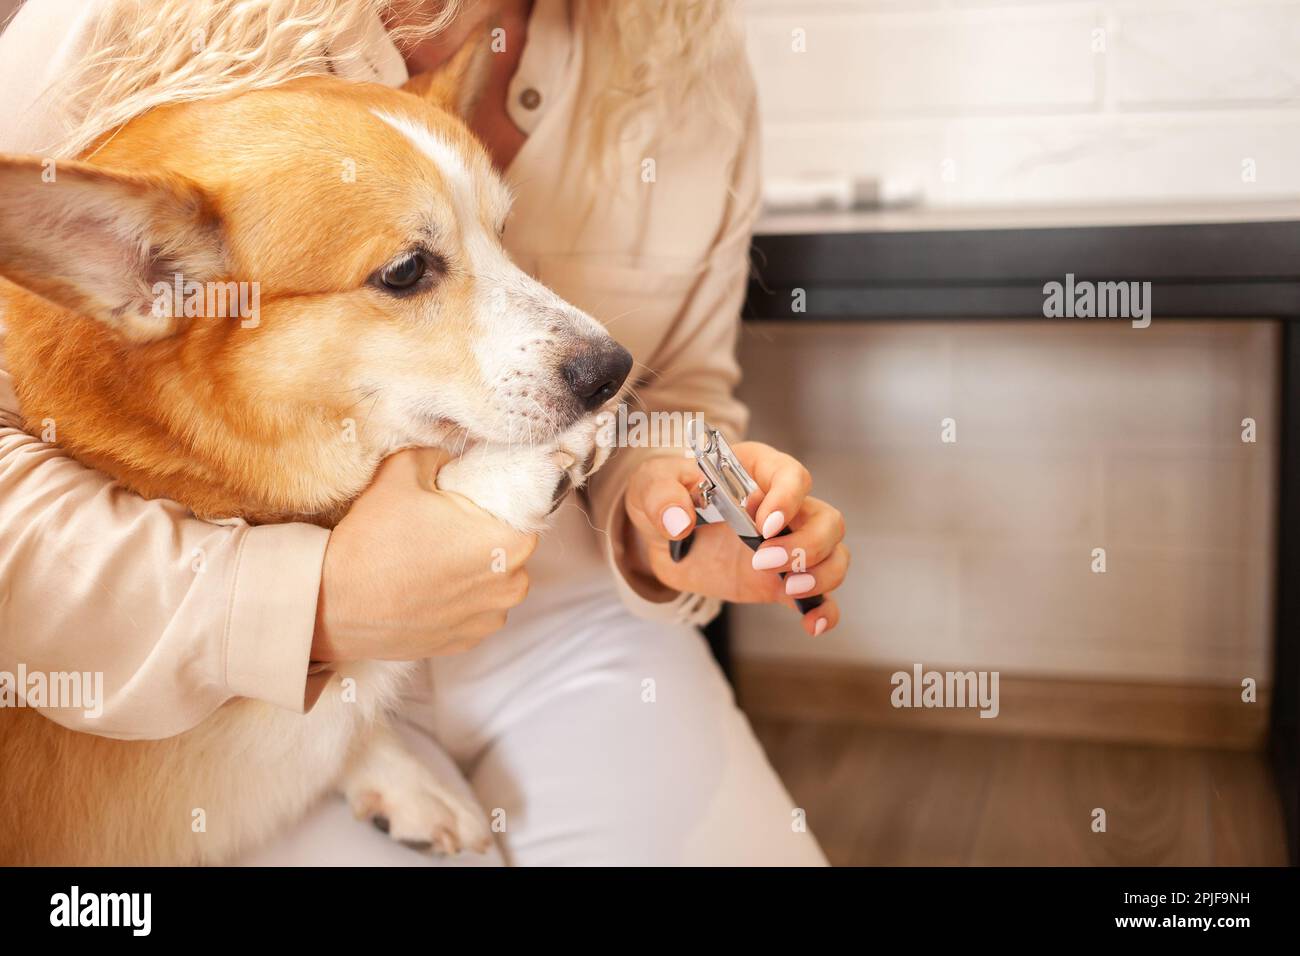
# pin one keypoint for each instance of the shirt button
(530, 99)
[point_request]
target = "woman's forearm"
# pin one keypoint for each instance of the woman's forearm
(169, 612)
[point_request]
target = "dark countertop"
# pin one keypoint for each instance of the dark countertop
(1238, 260)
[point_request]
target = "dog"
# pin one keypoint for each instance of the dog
(389, 316)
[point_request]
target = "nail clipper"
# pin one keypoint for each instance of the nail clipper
(721, 495)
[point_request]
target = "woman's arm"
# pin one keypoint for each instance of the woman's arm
(178, 614)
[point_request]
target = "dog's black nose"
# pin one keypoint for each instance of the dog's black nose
(596, 372)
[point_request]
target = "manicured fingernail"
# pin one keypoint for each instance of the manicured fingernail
(675, 521)
(819, 627)
(774, 523)
(765, 559)
(798, 583)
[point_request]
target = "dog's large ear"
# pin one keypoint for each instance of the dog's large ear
(457, 85)
(106, 244)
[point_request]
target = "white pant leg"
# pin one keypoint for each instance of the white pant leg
(610, 740)
(559, 729)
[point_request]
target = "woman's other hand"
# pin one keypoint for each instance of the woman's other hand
(659, 509)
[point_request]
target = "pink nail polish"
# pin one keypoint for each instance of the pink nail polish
(819, 627)
(798, 583)
(766, 559)
(675, 521)
(774, 523)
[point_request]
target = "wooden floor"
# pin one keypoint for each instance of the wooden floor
(888, 797)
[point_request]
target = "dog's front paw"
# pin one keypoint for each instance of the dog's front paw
(403, 797)
(416, 816)
(523, 484)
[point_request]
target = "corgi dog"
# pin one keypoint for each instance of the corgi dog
(369, 221)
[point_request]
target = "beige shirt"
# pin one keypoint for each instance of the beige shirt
(181, 614)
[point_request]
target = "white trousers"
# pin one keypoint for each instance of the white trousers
(594, 738)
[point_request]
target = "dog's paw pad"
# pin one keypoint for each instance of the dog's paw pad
(424, 821)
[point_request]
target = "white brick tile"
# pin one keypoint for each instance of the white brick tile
(1089, 384)
(1056, 160)
(1175, 500)
(1191, 54)
(893, 392)
(1148, 617)
(902, 601)
(941, 62)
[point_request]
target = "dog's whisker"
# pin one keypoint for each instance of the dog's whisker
(648, 369)
(622, 315)
(552, 424)
(374, 396)
(633, 398)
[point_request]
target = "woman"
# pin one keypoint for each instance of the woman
(594, 727)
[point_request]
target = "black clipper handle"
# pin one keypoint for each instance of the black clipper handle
(680, 548)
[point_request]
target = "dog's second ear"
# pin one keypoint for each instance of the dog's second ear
(458, 84)
(106, 244)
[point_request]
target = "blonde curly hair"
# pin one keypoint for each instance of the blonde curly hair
(150, 53)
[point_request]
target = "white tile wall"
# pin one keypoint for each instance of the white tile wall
(1192, 55)
(1035, 102)
(904, 66)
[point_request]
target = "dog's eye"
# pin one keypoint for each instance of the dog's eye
(403, 274)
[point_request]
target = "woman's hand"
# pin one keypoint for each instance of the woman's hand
(414, 572)
(659, 509)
